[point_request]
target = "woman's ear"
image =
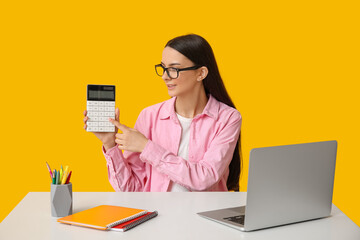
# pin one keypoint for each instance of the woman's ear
(203, 73)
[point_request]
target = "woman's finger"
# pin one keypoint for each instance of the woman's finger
(119, 135)
(120, 126)
(120, 142)
(85, 112)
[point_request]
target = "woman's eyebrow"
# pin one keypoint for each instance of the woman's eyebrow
(171, 64)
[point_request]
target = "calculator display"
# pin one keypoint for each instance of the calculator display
(101, 93)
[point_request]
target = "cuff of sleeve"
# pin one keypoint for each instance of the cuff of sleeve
(110, 152)
(152, 153)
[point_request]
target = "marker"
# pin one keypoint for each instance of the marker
(64, 177)
(61, 174)
(54, 177)
(57, 177)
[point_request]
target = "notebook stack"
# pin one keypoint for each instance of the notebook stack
(107, 217)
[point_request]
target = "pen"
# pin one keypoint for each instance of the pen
(68, 178)
(48, 167)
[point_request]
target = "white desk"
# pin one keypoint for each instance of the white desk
(31, 219)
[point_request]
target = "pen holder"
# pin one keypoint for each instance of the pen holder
(61, 200)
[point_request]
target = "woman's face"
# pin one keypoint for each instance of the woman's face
(188, 81)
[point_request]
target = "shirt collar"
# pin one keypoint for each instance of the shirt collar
(211, 109)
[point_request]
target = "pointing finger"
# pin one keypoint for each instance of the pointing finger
(118, 125)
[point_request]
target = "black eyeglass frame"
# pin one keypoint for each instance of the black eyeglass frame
(176, 69)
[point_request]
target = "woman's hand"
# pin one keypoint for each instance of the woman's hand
(107, 138)
(130, 139)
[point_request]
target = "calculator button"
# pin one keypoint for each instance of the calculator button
(96, 103)
(101, 108)
(101, 104)
(112, 104)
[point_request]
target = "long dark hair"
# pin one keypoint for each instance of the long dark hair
(199, 51)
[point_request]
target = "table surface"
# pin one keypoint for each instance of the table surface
(177, 219)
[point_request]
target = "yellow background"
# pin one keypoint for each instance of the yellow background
(291, 67)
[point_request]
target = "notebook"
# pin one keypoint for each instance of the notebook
(103, 217)
(133, 223)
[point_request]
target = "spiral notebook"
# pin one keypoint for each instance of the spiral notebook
(133, 223)
(103, 217)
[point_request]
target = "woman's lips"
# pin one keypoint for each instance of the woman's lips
(170, 86)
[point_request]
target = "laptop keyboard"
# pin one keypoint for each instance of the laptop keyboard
(237, 219)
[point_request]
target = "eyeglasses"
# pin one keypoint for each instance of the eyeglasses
(171, 71)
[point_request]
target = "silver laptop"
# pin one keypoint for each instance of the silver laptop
(286, 184)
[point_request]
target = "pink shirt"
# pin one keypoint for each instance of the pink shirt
(213, 137)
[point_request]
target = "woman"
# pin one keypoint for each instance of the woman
(188, 143)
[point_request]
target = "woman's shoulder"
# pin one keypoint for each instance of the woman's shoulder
(158, 109)
(227, 113)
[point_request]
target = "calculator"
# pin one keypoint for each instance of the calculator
(100, 107)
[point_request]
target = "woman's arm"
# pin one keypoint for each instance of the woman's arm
(126, 171)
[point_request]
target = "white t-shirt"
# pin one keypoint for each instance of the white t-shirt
(183, 150)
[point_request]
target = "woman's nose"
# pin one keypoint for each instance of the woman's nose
(165, 76)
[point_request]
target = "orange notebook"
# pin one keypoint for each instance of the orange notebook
(102, 217)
